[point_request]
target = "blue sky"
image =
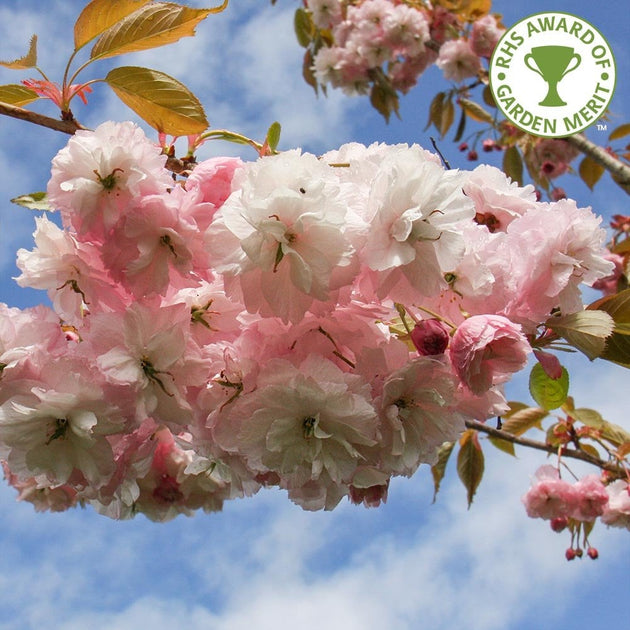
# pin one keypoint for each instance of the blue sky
(263, 562)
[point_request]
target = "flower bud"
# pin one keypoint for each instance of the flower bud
(430, 336)
(559, 523)
(593, 554)
(570, 554)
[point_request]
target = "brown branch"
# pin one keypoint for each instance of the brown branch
(548, 448)
(65, 126)
(619, 171)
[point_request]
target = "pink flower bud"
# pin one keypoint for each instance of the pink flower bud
(593, 554)
(472, 155)
(430, 336)
(559, 523)
(570, 554)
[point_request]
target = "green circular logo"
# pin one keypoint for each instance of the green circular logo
(552, 74)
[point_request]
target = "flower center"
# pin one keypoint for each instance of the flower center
(59, 430)
(308, 426)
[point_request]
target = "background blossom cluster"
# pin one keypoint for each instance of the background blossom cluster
(242, 328)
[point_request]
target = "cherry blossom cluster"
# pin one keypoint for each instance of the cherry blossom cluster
(571, 504)
(400, 39)
(317, 324)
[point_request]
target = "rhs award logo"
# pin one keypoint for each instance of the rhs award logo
(552, 74)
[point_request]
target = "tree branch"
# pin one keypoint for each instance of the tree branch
(619, 171)
(548, 448)
(65, 126)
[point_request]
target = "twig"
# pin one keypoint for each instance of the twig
(65, 126)
(548, 448)
(619, 170)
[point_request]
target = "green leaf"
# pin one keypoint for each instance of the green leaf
(620, 132)
(513, 165)
(439, 469)
(273, 136)
(587, 330)
(476, 111)
(590, 171)
(99, 15)
(33, 201)
(160, 100)
(156, 24)
(29, 60)
(470, 463)
(18, 95)
(548, 392)
(304, 28)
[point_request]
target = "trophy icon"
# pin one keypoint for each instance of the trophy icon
(552, 63)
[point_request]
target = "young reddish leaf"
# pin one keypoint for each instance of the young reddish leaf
(16, 94)
(99, 15)
(590, 171)
(549, 393)
(439, 469)
(620, 132)
(513, 165)
(33, 201)
(160, 100)
(151, 26)
(587, 330)
(28, 61)
(307, 70)
(470, 463)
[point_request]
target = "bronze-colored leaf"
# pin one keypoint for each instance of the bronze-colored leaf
(513, 165)
(620, 132)
(470, 463)
(523, 420)
(151, 26)
(99, 15)
(586, 330)
(160, 100)
(590, 171)
(476, 111)
(447, 118)
(29, 60)
(16, 94)
(439, 469)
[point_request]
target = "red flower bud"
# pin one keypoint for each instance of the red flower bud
(593, 553)
(559, 523)
(570, 554)
(430, 336)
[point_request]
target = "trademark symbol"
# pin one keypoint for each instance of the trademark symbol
(603, 127)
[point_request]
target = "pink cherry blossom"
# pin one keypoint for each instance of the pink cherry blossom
(95, 177)
(617, 511)
(550, 497)
(592, 498)
(458, 61)
(486, 350)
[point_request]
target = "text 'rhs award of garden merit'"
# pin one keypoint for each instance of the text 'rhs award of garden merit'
(553, 74)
